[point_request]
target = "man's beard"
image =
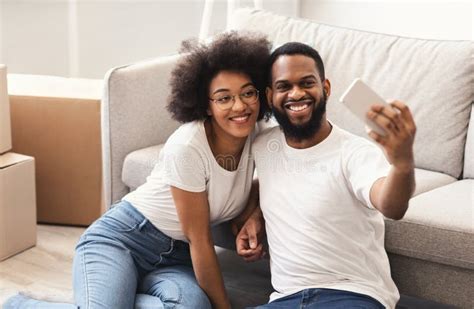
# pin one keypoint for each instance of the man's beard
(306, 130)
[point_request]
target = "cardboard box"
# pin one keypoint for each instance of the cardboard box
(57, 121)
(5, 130)
(17, 204)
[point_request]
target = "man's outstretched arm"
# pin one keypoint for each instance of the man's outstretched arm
(390, 195)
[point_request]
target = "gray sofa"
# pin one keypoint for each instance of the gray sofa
(431, 249)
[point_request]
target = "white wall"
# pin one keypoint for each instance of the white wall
(85, 38)
(441, 19)
(37, 36)
(32, 34)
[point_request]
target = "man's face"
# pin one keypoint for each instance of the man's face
(298, 96)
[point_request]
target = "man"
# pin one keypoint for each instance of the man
(324, 192)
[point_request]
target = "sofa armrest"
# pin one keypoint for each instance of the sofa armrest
(133, 116)
(469, 151)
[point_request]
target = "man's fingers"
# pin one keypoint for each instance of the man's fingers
(241, 243)
(378, 138)
(241, 248)
(250, 252)
(253, 239)
(243, 235)
(391, 113)
(246, 243)
(253, 254)
(383, 121)
(246, 252)
(406, 115)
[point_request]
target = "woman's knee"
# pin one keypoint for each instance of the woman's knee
(176, 287)
(196, 298)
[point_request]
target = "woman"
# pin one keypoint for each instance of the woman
(154, 249)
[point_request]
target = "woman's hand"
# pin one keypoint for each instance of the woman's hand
(249, 241)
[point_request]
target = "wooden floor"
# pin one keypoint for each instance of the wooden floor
(44, 270)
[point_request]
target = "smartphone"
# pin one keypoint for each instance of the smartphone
(358, 98)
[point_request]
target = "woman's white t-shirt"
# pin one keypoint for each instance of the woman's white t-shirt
(187, 162)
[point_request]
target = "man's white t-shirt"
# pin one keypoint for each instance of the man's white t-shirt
(322, 229)
(187, 162)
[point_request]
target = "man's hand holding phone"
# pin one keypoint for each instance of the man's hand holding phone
(391, 124)
(397, 121)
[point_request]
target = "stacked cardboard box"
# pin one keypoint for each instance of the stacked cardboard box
(57, 120)
(17, 187)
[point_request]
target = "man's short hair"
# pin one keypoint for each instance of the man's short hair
(296, 48)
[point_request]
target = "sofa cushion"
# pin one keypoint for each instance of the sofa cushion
(428, 180)
(437, 227)
(138, 165)
(433, 77)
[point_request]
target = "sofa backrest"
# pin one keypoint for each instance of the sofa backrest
(435, 78)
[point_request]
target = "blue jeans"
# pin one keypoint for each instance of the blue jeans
(123, 261)
(323, 299)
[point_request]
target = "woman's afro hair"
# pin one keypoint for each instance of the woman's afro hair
(245, 52)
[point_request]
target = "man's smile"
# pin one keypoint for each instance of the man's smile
(299, 106)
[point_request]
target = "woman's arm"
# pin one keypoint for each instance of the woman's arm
(252, 204)
(193, 213)
(249, 228)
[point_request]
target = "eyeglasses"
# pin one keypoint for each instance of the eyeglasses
(227, 101)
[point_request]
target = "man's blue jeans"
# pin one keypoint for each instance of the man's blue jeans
(323, 299)
(123, 261)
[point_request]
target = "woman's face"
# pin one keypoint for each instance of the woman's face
(233, 104)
